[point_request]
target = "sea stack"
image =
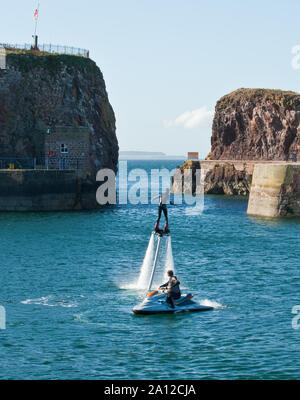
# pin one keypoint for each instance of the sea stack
(255, 146)
(256, 124)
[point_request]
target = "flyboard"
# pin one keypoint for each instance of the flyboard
(156, 300)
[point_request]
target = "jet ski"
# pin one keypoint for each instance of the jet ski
(156, 301)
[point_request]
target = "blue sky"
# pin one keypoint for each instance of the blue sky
(167, 62)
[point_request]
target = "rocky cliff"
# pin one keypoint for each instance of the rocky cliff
(39, 90)
(250, 125)
(256, 124)
(220, 177)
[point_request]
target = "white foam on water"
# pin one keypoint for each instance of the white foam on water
(143, 279)
(165, 262)
(195, 210)
(42, 300)
(211, 303)
(145, 273)
(50, 301)
(130, 286)
(169, 261)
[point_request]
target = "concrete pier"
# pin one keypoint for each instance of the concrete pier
(275, 190)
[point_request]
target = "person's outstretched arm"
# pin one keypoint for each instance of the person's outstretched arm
(164, 285)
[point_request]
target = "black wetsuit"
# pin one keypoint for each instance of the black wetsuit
(173, 290)
(162, 208)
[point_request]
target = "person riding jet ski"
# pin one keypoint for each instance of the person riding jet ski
(173, 289)
(162, 207)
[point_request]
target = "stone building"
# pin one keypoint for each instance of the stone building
(67, 147)
(193, 155)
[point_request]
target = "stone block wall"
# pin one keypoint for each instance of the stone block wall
(275, 190)
(42, 190)
(77, 141)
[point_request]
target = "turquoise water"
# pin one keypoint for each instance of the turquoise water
(64, 278)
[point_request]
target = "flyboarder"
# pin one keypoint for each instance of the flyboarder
(162, 207)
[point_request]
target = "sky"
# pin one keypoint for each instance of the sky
(167, 62)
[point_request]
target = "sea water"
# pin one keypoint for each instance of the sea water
(69, 283)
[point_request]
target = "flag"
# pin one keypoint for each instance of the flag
(36, 13)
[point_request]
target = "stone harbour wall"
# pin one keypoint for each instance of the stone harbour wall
(275, 190)
(42, 190)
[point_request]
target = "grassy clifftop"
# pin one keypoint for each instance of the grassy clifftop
(26, 60)
(286, 99)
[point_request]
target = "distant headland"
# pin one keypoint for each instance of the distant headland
(147, 155)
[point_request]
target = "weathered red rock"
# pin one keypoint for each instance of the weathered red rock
(220, 177)
(256, 124)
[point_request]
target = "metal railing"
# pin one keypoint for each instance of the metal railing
(292, 157)
(42, 163)
(50, 48)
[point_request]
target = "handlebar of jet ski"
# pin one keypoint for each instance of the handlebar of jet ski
(163, 289)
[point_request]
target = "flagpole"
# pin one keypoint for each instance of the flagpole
(37, 18)
(35, 38)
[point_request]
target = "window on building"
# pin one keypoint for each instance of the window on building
(64, 148)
